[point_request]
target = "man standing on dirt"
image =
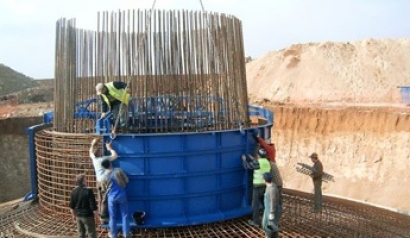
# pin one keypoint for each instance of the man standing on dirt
(317, 173)
(97, 157)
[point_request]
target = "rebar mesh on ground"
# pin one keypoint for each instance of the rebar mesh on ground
(175, 63)
(339, 218)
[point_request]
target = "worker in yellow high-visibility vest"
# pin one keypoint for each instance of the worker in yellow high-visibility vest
(259, 166)
(112, 95)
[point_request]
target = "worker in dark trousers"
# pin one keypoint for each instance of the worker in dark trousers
(83, 205)
(316, 176)
(259, 166)
(277, 178)
(113, 94)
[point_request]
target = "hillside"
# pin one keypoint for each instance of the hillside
(22, 96)
(12, 81)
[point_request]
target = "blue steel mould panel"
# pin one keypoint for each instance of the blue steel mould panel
(188, 178)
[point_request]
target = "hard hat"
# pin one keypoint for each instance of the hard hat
(262, 152)
(99, 88)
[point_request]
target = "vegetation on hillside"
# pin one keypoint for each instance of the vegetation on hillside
(26, 89)
(12, 81)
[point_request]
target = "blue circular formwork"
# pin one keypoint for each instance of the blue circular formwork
(181, 179)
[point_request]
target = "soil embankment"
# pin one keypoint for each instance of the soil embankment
(366, 149)
(341, 99)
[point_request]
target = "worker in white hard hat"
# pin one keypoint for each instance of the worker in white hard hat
(112, 95)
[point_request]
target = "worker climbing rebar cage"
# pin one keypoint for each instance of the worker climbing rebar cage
(184, 71)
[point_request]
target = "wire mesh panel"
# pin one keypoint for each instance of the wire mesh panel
(60, 157)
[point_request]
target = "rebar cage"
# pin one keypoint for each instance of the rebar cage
(185, 69)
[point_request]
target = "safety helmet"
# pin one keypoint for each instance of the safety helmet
(262, 152)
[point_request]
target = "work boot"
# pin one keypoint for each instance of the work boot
(253, 223)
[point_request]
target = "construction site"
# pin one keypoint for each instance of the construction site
(195, 106)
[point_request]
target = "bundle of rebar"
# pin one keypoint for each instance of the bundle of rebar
(308, 170)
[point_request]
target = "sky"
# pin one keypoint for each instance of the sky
(27, 27)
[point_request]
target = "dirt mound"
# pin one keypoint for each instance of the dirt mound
(340, 100)
(364, 148)
(362, 71)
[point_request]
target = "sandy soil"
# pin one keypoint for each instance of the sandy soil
(362, 71)
(342, 101)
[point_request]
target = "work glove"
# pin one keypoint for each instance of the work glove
(255, 162)
(243, 157)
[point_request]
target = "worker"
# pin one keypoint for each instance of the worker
(97, 157)
(83, 205)
(277, 178)
(113, 185)
(113, 94)
(259, 166)
(270, 219)
(316, 176)
(268, 146)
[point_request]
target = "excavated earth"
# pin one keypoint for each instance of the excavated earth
(342, 101)
(364, 148)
